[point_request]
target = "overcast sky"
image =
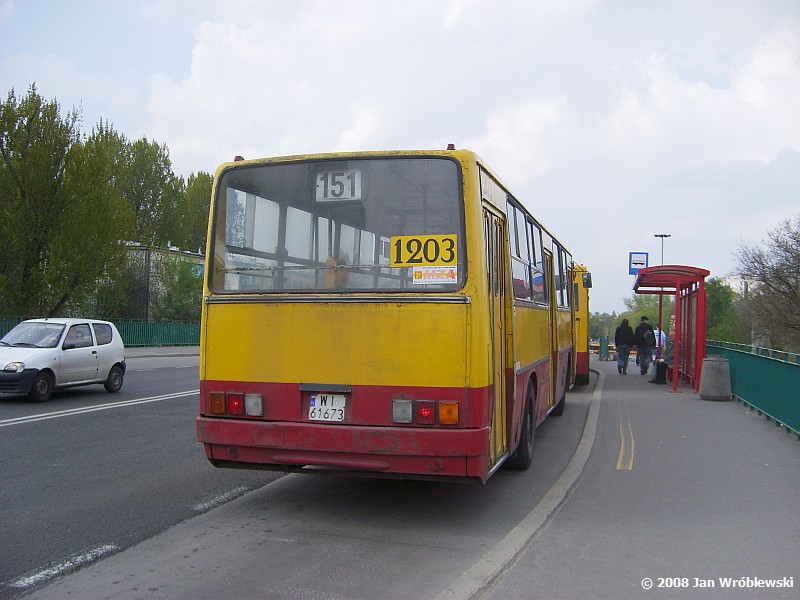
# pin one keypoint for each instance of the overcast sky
(611, 120)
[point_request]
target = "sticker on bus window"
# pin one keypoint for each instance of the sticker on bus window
(338, 186)
(431, 275)
(424, 250)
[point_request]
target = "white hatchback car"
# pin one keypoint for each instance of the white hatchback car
(41, 355)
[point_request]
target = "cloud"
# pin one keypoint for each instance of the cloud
(610, 121)
(520, 137)
(669, 120)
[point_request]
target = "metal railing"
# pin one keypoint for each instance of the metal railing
(140, 333)
(766, 380)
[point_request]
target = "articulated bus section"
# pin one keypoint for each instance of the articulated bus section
(394, 314)
(580, 299)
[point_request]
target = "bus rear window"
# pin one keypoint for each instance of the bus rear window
(384, 224)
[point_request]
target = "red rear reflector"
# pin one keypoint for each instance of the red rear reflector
(236, 403)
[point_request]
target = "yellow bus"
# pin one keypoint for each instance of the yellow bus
(580, 298)
(394, 314)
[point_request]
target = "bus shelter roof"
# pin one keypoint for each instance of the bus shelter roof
(667, 279)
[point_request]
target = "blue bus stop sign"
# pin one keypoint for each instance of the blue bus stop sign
(636, 261)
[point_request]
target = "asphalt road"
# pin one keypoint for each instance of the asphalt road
(77, 486)
(139, 481)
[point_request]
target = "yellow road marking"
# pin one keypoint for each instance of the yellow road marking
(627, 443)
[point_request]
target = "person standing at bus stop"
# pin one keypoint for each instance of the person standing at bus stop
(661, 341)
(623, 340)
(645, 342)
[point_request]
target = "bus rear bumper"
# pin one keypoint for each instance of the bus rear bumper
(389, 451)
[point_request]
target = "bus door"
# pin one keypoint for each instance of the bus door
(494, 233)
(553, 326)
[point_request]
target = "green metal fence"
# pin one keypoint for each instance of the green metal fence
(159, 334)
(767, 380)
(140, 333)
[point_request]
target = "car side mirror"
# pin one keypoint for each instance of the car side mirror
(68, 346)
(587, 280)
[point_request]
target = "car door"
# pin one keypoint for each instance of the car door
(78, 355)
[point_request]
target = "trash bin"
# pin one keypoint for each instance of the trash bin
(715, 380)
(604, 348)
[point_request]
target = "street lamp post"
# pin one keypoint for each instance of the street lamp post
(661, 297)
(662, 236)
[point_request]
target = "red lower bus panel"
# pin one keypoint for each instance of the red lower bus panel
(388, 450)
(582, 363)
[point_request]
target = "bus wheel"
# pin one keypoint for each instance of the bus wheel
(521, 458)
(42, 387)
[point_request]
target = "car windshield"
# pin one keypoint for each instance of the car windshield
(34, 335)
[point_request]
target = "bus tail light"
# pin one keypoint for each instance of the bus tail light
(216, 403)
(236, 404)
(424, 412)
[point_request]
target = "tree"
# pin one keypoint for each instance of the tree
(639, 305)
(58, 202)
(723, 319)
(153, 191)
(181, 291)
(195, 212)
(773, 275)
(602, 324)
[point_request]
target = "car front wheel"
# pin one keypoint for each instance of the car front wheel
(114, 381)
(42, 387)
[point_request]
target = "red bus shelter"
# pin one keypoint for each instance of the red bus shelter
(688, 286)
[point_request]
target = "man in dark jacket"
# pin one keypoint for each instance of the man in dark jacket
(645, 339)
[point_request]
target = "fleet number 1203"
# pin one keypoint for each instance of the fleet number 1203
(423, 250)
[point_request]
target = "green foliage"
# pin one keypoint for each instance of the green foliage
(640, 305)
(602, 325)
(58, 201)
(34, 142)
(71, 205)
(153, 191)
(195, 211)
(180, 296)
(724, 320)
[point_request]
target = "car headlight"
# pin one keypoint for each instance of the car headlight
(14, 367)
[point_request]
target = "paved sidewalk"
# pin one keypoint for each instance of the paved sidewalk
(157, 351)
(678, 494)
